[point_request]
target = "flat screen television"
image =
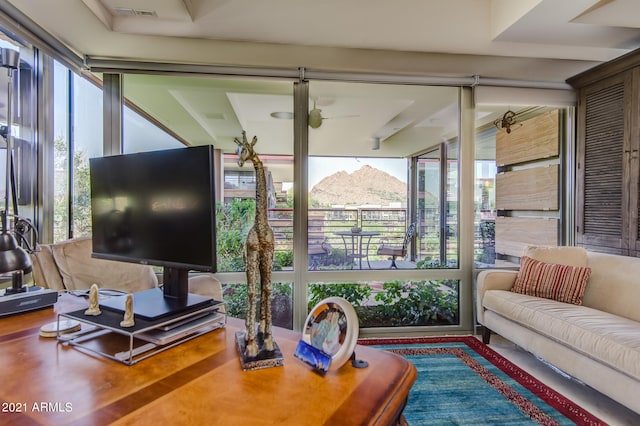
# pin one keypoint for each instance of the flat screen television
(156, 208)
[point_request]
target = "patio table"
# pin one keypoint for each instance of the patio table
(356, 245)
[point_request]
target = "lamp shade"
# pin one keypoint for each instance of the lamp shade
(12, 256)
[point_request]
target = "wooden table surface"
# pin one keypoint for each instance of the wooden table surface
(199, 382)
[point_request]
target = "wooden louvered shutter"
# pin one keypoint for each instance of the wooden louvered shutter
(633, 157)
(602, 221)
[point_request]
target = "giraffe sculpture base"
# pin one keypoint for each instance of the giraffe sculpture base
(264, 359)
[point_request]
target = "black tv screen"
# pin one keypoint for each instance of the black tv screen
(155, 208)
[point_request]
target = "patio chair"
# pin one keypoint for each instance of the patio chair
(488, 234)
(397, 251)
(316, 252)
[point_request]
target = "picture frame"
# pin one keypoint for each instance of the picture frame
(330, 335)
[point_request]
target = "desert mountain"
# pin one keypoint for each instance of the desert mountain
(365, 186)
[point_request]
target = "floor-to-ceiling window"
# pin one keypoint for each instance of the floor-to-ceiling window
(363, 144)
(362, 141)
(378, 234)
(206, 110)
(78, 137)
(418, 129)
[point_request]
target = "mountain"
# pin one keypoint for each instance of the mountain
(365, 186)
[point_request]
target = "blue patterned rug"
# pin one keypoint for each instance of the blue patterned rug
(462, 381)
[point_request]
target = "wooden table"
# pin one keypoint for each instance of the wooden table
(199, 382)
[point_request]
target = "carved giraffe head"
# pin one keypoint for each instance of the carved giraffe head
(245, 149)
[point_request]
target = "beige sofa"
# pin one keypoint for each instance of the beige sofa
(68, 266)
(597, 342)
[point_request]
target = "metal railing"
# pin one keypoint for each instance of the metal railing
(390, 224)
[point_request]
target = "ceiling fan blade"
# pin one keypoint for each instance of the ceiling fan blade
(341, 116)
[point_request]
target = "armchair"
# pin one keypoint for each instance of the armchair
(397, 251)
(68, 265)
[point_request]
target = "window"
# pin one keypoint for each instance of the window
(141, 134)
(215, 111)
(518, 188)
(62, 117)
(78, 137)
(369, 211)
(18, 120)
(437, 207)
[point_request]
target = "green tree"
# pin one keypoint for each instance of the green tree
(81, 195)
(81, 192)
(61, 189)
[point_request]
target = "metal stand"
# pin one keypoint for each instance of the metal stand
(358, 363)
(127, 345)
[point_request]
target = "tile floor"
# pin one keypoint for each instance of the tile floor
(599, 405)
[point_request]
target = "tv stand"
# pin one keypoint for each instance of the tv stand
(175, 282)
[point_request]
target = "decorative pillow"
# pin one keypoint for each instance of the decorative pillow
(563, 283)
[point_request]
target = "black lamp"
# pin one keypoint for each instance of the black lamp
(13, 259)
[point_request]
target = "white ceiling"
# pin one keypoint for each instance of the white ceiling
(584, 30)
(526, 40)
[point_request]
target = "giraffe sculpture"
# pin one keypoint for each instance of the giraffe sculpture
(259, 247)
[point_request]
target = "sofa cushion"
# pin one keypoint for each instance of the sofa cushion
(563, 255)
(614, 285)
(563, 283)
(607, 338)
(79, 270)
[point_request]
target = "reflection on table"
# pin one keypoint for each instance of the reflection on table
(354, 243)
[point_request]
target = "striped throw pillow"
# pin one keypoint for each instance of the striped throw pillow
(563, 283)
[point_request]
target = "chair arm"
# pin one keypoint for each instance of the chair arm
(492, 279)
(328, 249)
(206, 285)
(45, 271)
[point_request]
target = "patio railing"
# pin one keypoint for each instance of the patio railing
(390, 223)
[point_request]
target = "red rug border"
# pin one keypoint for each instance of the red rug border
(555, 399)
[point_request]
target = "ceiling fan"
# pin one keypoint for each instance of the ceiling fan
(315, 116)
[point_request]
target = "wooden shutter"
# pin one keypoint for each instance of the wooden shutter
(601, 177)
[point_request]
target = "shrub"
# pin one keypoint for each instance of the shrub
(234, 220)
(414, 303)
(282, 259)
(235, 298)
(354, 293)
(400, 303)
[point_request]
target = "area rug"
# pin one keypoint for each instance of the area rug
(462, 381)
